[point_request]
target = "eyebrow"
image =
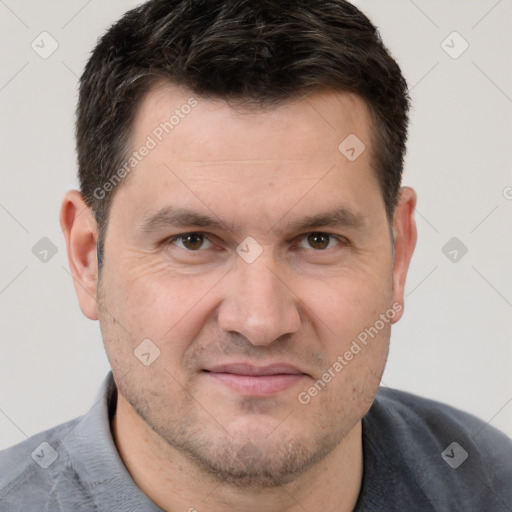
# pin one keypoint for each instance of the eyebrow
(340, 217)
(170, 216)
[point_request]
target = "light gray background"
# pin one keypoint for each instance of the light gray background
(453, 344)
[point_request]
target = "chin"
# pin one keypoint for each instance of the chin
(259, 458)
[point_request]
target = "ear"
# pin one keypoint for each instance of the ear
(405, 234)
(80, 231)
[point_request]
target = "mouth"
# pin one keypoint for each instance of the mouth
(253, 380)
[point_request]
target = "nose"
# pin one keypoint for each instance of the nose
(259, 304)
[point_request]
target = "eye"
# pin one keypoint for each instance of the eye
(319, 241)
(191, 241)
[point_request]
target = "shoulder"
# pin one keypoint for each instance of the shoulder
(453, 456)
(32, 472)
(440, 420)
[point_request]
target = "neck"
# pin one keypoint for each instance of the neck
(174, 482)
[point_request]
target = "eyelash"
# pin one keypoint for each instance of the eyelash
(340, 239)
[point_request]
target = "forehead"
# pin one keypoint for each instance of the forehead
(217, 150)
(187, 124)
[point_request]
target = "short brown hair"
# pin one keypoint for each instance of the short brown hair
(264, 52)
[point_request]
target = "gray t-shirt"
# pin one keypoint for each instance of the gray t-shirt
(419, 455)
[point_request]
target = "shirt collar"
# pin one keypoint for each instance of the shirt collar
(94, 456)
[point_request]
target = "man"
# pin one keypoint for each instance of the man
(243, 240)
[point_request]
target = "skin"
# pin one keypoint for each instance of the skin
(188, 440)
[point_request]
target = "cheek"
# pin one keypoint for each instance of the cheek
(165, 307)
(352, 316)
(347, 303)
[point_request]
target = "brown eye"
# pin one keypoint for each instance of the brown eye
(190, 241)
(319, 241)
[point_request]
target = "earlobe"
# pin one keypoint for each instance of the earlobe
(405, 234)
(80, 231)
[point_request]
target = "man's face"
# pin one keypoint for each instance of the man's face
(210, 309)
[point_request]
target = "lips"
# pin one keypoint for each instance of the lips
(248, 369)
(253, 380)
